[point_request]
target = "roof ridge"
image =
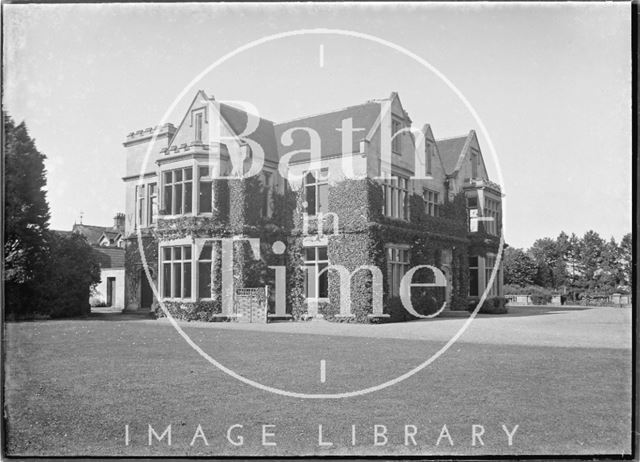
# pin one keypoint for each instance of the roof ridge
(329, 112)
(452, 137)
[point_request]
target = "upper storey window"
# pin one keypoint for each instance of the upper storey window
(198, 124)
(474, 164)
(146, 205)
(395, 203)
(178, 191)
(396, 126)
(492, 216)
(429, 158)
(316, 192)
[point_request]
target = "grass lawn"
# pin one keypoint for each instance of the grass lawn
(72, 386)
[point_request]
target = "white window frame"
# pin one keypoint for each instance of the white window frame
(171, 263)
(396, 141)
(317, 175)
(398, 261)
(431, 202)
(395, 198)
(210, 261)
(316, 263)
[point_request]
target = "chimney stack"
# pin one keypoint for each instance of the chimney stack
(118, 222)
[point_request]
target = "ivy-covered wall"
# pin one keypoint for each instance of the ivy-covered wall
(363, 233)
(134, 269)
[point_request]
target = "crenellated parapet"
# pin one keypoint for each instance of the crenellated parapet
(147, 133)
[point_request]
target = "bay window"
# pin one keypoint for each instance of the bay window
(176, 271)
(205, 260)
(178, 190)
(204, 190)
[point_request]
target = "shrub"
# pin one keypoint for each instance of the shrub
(491, 305)
(192, 311)
(539, 295)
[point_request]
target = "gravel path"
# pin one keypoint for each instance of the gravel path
(586, 327)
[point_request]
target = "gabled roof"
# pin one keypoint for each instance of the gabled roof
(451, 150)
(236, 119)
(364, 117)
(111, 236)
(92, 233)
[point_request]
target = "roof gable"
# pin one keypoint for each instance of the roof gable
(90, 232)
(451, 152)
(233, 123)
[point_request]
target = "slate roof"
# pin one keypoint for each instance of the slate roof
(364, 117)
(92, 233)
(263, 134)
(450, 151)
(110, 257)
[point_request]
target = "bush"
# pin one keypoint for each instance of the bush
(491, 305)
(539, 295)
(191, 311)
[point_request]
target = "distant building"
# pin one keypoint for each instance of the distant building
(108, 244)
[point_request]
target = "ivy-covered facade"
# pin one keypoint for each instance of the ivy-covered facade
(356, 194)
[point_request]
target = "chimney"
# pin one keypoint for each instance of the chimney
(118, 222)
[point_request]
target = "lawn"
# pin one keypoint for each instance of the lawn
(72, 386)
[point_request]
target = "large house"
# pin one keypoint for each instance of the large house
(355, 186)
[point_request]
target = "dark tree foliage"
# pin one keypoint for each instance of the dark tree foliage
(26, 216)
(72, 270)
(519, 268)
(569, 264)
(44, 272)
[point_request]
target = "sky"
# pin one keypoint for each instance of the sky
(550, 82)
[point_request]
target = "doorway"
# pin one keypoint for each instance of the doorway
(111, 288)
(146, 294)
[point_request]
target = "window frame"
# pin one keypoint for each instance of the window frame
(398, 261)
(395, 198)
(316, 173)
(431, 200)
(317, 262)
(172, 263)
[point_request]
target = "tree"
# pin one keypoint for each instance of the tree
(592, 253)
(519, 268)
(625, 260)
(548, 256)
(71, 272)
(26, 215)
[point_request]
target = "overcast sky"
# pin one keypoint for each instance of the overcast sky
(551, 83)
